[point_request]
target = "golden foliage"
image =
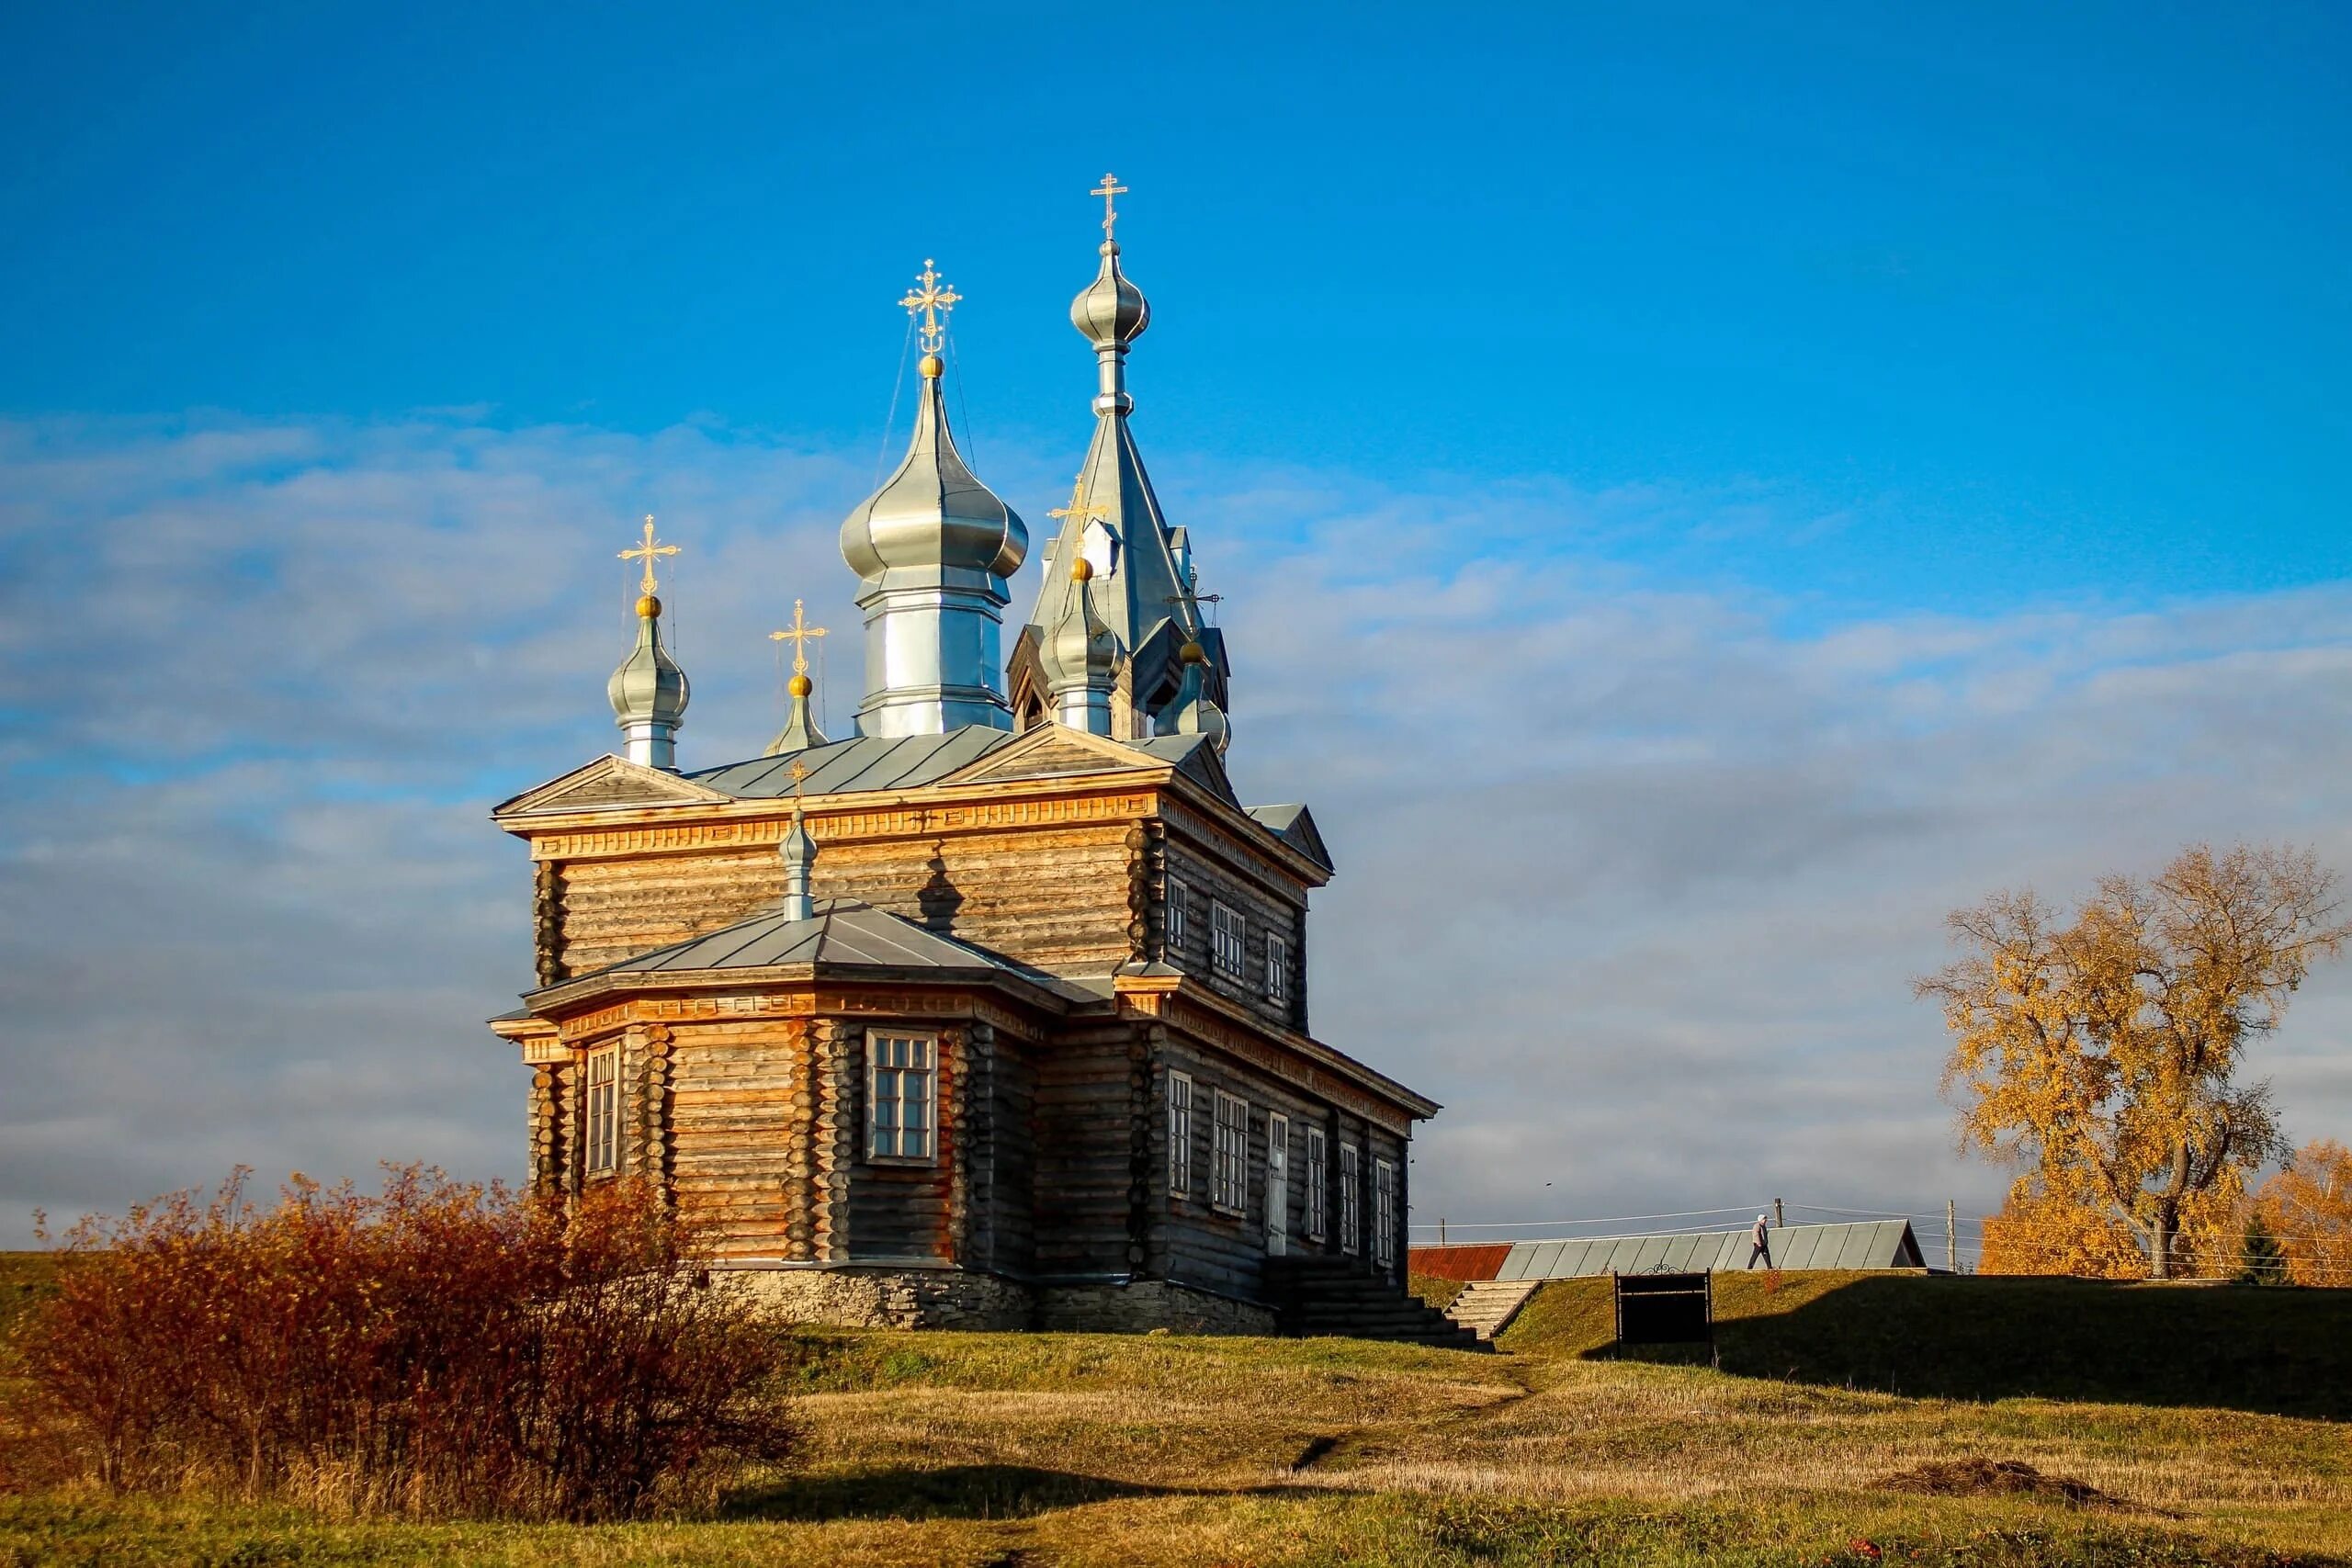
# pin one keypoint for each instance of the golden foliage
(2308, 1207)
(2039, 1232)
(2102, 1053)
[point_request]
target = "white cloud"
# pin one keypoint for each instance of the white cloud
(1631, 876)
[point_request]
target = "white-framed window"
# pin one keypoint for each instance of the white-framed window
(1175, 930)
(1179, 1136)
(1278, 969)
(1228, 940)
(603, 1143)
(1229, 1156)
(1383, 1213)
(1317, 1177)
(902, 1077)
(1350, 1204)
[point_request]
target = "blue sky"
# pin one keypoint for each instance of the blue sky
(1992, 302)
(1698, 494)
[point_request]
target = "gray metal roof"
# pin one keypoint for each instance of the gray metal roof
(863, 762)
(1871, 1244)
(842, 931)
(911, 762)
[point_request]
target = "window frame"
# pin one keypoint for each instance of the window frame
(1277, 1216)
(1229, 1156)
(1318, 1173)
(1384, 1196)
(1180, 1134)
(1351, 1198)
(925, 1072)
(1278, 969)
(1228, 941)
(1175, 930)
(600, 1116)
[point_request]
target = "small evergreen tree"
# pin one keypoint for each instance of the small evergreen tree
(2261, 1260)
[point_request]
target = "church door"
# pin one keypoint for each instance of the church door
(1277, 1185)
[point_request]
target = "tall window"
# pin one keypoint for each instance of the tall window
(1350, 1201)
(1229, 945)
(904, 1073)
(1278, 970)
(1383, 1213)
(604, 1140)
(1318, 1206)
(1229, 1164)
(1177, 893)
(1179, 1136)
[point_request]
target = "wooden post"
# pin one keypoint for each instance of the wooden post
(1951, 1239)
(1440, 1230)
(1778, 1222)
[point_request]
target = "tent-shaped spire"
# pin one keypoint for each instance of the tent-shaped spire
(1141, 581)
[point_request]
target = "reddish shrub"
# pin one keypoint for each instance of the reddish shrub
(437, 1347)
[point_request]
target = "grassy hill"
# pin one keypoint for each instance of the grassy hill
(2284, 1352)
(1006, 1450)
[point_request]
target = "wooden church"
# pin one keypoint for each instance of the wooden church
(993, 1014)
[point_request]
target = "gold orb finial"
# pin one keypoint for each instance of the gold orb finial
(1082, 570)
(648, 606)
(1192, 653)
(801, 686)
(930, 365)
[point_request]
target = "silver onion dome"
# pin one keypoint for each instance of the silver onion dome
(649, 692)
(1111, 312)
(932, 516)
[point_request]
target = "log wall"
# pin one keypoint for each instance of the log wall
(1058, 899)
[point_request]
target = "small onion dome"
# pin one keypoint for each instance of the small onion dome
(1081, 651)
(649, 687)
(1111, 312)
(1191, 711)
(931, 515)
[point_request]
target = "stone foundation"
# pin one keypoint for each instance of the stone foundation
(1143, 1305)
(892, 1298)
(856, 1297)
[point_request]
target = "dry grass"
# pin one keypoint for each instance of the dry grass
(1082, 1449)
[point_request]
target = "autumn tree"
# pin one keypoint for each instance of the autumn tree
(2308, 1208)
(2102, 1053)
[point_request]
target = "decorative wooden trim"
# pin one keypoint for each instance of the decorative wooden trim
(761, 824)
(921, 1004)
(802, 1154)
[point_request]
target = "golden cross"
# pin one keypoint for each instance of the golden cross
(1080, 507)
(797, 634)
(933, 301)
(798, 772)
(646, 553)
(1106, 190)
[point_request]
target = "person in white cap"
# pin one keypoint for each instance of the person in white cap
(1761, 1242)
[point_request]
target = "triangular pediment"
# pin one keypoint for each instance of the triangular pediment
(609, 783)
(1052, 751)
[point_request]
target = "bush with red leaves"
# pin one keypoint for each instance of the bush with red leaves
(437, 1349)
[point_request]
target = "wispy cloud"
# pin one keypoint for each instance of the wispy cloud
(1631, 874)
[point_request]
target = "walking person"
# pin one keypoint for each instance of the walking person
(1761, 1242)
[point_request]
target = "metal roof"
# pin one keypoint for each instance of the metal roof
(863, 762)
(1871, 1244)
(842, 931)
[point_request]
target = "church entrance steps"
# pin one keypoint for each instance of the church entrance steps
(1317, 1295)
(1486, 1306)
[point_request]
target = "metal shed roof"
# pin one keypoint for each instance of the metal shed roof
(1871, 1244)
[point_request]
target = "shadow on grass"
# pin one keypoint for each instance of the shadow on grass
(958, 1492)
(2275, 1352)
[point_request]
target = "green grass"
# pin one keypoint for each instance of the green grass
(975, 1450)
